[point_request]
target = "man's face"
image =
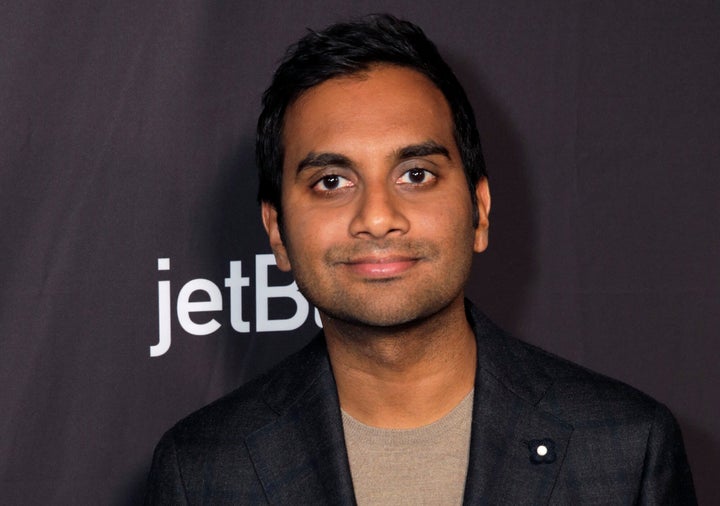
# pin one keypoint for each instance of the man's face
(377, 217)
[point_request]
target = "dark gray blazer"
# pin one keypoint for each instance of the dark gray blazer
(279, 439)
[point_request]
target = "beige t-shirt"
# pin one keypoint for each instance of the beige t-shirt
(426, 465)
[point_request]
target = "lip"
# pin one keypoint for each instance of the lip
(381, 267)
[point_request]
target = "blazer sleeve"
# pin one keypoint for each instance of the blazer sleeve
(666, 475)
(165, 483)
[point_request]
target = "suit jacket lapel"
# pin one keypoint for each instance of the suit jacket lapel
(506, 420)
(300, 458)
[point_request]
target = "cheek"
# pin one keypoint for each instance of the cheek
(450, 218)
(308, 233)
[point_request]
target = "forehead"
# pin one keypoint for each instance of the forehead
(381, 109)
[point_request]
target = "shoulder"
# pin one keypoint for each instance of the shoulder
(566, 390)
(204, 457)
(580, 395)
(256, 403)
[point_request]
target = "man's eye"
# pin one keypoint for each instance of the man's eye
(416, 176)
(332, 182)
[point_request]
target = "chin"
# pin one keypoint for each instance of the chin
(386, 317)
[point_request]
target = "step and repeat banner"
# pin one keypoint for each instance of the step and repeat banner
(136, 282)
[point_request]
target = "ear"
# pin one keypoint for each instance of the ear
(482, 192)
(270, 221)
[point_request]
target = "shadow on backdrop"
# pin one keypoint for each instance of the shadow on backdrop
(501, 274)
(704, 471)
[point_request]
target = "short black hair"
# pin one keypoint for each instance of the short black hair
(349, 48)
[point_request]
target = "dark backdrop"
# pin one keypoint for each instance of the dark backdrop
(126, 137)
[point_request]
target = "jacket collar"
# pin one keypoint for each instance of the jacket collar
(301, 456)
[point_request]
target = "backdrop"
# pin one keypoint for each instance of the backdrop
(134, 281)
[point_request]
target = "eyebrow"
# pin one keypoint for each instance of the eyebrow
(426, 148)
(324, 160)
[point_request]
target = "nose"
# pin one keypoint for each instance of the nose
(378, 213)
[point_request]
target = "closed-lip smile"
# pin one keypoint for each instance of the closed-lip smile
(381, 266)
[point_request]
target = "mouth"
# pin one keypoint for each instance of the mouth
(381, 267)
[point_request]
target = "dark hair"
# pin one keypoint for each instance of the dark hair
(348, 48)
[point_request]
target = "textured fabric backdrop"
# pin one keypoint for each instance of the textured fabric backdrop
(128, 215)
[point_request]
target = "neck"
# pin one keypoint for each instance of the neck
(403, 377)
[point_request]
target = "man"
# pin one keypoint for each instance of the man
(374, 194)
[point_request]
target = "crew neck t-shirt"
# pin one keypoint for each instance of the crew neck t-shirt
(421, 466)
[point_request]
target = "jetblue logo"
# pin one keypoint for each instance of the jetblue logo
(212, 301)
